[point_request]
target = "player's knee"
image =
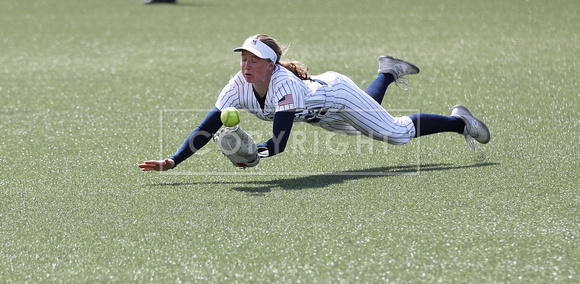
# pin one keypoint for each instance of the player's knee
(400, 138)
(398, 141)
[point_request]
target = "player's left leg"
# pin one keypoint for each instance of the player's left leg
(428, 123)
(461, 121)
(367, 116)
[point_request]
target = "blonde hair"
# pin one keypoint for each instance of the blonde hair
(295, 67)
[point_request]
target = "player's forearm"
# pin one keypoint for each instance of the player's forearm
(199, 137)
(283, 122)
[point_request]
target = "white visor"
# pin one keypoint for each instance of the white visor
(259, 49)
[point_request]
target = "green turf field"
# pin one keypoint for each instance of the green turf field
(90, 88)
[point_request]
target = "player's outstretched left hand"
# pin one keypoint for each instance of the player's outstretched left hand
(161, 165)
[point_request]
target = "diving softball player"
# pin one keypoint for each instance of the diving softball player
(284, 93)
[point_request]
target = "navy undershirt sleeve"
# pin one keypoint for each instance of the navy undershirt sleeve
(283, 121)
(199, 136)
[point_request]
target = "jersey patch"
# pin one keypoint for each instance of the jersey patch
(286, 100)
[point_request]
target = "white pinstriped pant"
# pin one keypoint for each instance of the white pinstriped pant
(353, 112)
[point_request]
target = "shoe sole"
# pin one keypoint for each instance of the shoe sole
(482, 125)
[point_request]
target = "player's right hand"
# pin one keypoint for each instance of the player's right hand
(161, 165)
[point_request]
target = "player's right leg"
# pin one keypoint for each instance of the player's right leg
(396, 67)
(390, 70)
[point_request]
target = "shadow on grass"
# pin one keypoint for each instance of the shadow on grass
(260, 187)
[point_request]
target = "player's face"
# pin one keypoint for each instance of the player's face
(256, 70)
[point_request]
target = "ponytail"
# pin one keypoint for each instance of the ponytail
(297, 68)
(294, 66)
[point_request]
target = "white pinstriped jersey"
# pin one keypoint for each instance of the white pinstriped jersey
(285, 92)
(331, 101)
